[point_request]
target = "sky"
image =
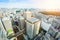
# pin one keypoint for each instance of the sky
(42, 4)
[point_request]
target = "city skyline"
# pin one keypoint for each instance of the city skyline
(42, 4)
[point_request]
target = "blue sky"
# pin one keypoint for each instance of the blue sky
(42, 4)
(4, 0)
(14, 1)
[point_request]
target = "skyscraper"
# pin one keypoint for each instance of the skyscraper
(8, 25)
(32, 27)
(21, 22)
(27, 15)
(3, 32)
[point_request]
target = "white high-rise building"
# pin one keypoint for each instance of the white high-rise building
(21, 22)
(27, 15)
(45, 24)
(32, 27)
(3, 32)
(1, 26)
(8, 25)
(1, 14)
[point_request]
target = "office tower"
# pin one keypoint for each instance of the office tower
(2, 27)
(32, 27)
(8, 25)
(37, 27)
(45, 25)
(3, 32)
(21, 22)
(1, 14)
(27, 15)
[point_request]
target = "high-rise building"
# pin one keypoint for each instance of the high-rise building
(3, 32)
(8, 25)
(32, 27)
(27, 15)
(45, 25)
(1, 26)
(1, 14)
(21, 22)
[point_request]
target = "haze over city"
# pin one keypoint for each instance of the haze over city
(42, 4)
